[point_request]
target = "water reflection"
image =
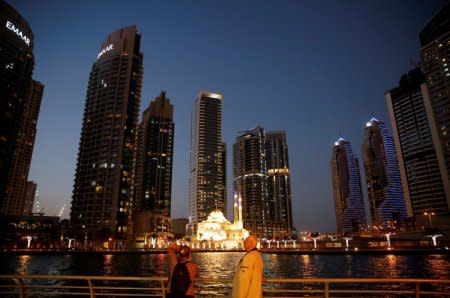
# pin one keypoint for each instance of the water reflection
(437, 266)
(217, 265)
(307, 266)
(392, 264)
(24, 262)
(107, 264)
(347, 265)
(221, 265)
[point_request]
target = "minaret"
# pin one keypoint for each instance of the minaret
(235, 210)
(240, 223)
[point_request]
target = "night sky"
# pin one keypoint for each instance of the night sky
(316, 69)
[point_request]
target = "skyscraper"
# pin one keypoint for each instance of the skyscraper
(384, 188)
(101, 201)
(279, 184)
(29, 197)
(418, 151)
(19, 108)
(261, 178)
(250, 181)
(346, 179)
(435, 41)
(153, 188)
(207, 171)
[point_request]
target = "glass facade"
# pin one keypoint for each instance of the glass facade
(102, 195)
(250, 181)
(435, 41)
(420, 169)
(384, 188)
(261, 177)
(153, 186)
(207, 168)
(277, 161)
(346, 179)
(19, 108)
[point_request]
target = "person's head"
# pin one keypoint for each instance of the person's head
(184, 252)
(250, 242)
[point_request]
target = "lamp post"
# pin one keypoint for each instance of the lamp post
(346, 241)
(29, 238)
(70, 242)
(315, 243)
(433, 238)
(388, 240)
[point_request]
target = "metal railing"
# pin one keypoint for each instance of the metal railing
(135, 286)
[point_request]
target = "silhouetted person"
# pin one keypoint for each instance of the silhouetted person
(247, 281)
(181, 281)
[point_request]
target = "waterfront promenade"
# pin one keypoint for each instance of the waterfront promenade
(292, 251)
(283, 269)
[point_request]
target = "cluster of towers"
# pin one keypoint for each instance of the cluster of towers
(408, 171)
(123, 176)
(20, 102)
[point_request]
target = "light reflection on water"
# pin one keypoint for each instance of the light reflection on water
(217, 265)
(107, 264)
(221, 265)
(23, 264)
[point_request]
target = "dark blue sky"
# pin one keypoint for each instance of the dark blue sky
(317, 69)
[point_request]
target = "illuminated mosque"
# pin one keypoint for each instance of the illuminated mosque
(218, 233)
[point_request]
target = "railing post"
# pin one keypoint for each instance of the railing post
(417, 290)
(91, 288)
(326, 290)
(163, 288)
(19, 282)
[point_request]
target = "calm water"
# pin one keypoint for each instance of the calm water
(221, 265)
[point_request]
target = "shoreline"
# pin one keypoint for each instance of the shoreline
(290, 251)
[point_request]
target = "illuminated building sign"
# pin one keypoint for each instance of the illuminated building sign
(19, 33)
(105, 50)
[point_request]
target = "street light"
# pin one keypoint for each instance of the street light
(29, 238)
(433, 238)
(346, 241)
(388, 240)
(429, 214)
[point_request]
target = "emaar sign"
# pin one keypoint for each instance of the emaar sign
(105, 50)
(18, 32)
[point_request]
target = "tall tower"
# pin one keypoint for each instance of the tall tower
(419, 154)
(101, 201)
(261, 179)
(435, 41)
(348, 200)
(153, 172)
(250, 181)
(384, 188)
(154, 159)
(19, 108)
(207, 171)
(279, 183)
